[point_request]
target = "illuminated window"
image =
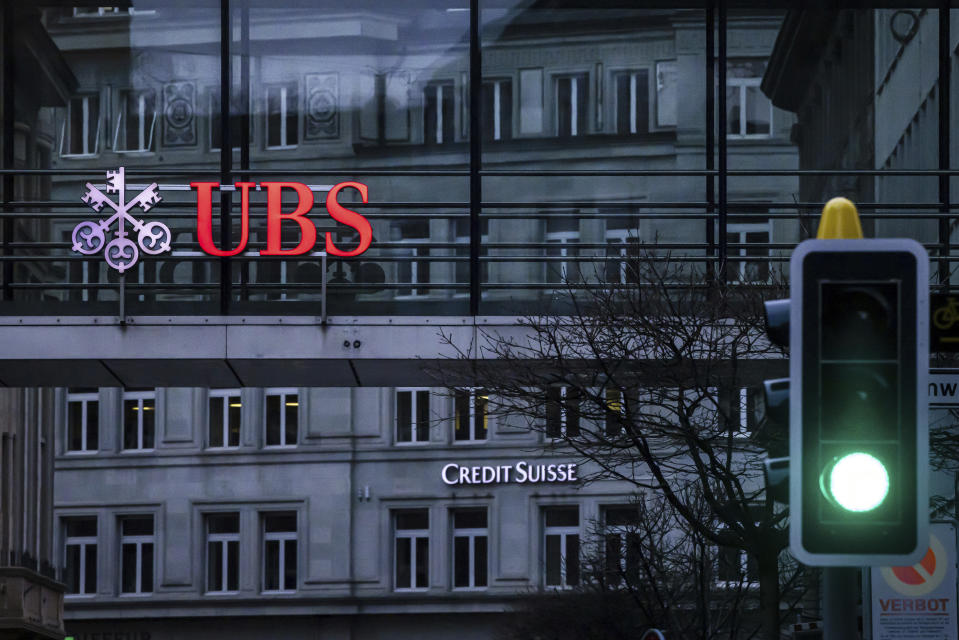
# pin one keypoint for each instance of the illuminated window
(224, 419)
(279, 551)
(412, 415)
(222, 553)
(472, 414)
(470, 549)
(411, 550)
(83, 422)
(136, 554)
(139, 420)
(80, 555)
(282, 417)
(561, 546)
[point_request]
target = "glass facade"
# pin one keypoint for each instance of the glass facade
(511, 151)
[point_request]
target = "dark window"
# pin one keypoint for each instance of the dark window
(562, 412)
(279, 552)
(470, 549)
(223, 552)
(224, 419)
(623, 546)
(83, 421)
(412, 546)
(561, 546)
(136, 120)
(282, 116)
(632, 102)
(572, 93)
(136, 554)
(80, 555)
(438, 120)
(497, 110)
(139, 420)
(81, 129)
(282, 417)
(412, 415)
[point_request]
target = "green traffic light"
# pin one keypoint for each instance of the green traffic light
(858, 482)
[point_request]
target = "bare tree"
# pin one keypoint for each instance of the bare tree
(644, 382)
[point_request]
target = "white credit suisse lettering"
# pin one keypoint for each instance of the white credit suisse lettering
(521, 472)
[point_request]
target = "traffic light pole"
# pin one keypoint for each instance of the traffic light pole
(839, 594)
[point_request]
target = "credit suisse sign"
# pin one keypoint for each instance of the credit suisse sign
(521, 472)
(112, 233)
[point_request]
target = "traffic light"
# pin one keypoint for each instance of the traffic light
(859, 360)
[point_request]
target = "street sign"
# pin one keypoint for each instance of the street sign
(944, 389)
(918, 601)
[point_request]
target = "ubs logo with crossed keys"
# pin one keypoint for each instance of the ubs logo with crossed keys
(121, 252)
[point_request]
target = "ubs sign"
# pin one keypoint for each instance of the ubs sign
(153, 238)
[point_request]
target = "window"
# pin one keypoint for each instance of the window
(412, 257)
(615, 411)
(136, 554)
(412, 415)
(560, 246)
(438, 119)
(282, 417)
(470, 549)
(562, 412)
(412, 550)
(279, 551)
(136, 119)
(735, 567)
(224, 419)
(562, 546)
(571, 105)
(83, 422)
(632, 102)
(752, 240)
(216, 119)
(622, 544)
(80, 555)
(282, 116)
(472, 414)
(80, 135)
(497, 110)
(624, 256)
(222, 552)
(747, 411)
(750, 112)
(139, 420)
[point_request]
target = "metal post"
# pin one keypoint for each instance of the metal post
(710, 142)
(9, 117)
(226, 151)
(323, 290)
(945, 64)
(723, 175)
(123, 299)
(476, 155)
(840, 591)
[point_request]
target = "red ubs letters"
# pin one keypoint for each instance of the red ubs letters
(275, 218)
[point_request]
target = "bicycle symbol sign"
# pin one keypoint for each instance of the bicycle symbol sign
(944, 325)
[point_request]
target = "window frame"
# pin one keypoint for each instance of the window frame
(574, 105)
(438, 139)
(742, 85)
(282, 537)
(142, 133)
(633, 108)
(473, 394)
(224, 395)
(223, 540)
(83, 542)
(283, 87)
(563, 531)
(84, 398)
(68, 118)
(138, 541)
(414, 415)
(213, 92)
(564, 415)
(413, 535)
(623, 533)
(283, 393)
(496, 83)
(741, 230)
(471, 533)
(139, 397)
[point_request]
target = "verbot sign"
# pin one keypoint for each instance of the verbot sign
(121, 252)
(918, 601)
